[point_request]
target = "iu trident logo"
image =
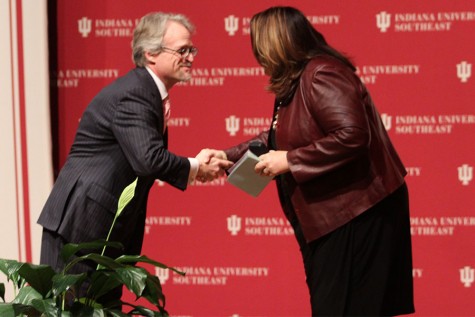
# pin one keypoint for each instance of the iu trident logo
(84, 26)
(383, 21)
(465, 174)
(231, 24)
(467, 276)
(234, 224)
(386, 121)
(232, 125)
(464, 71)
(162, 274)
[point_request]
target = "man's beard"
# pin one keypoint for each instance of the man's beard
(186, 76)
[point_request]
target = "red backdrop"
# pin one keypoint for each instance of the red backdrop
(239, 253)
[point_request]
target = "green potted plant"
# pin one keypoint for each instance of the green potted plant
(40, 291)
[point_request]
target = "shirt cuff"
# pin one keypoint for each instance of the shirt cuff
(194, 166)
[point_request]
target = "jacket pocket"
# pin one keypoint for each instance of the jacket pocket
(103, 198)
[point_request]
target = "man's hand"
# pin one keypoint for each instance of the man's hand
(213, 164)
(205, 155)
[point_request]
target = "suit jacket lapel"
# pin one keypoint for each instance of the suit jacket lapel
(150, 85)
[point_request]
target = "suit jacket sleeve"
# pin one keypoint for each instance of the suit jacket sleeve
(138, 126)
(234, 153)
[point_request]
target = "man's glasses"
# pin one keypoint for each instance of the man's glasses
(184, 51)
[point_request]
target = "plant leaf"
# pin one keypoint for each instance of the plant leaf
(134, 278)
(145, 259)
(124, 199)
(153, 292)
(7, 310)
(46, 306)
(10, 269)
(104, 261)
(63, 282)
(38, 276)
(12, 310)
(126, 196)
(26, 295)
(142, 311)
(102, 282)
(72, 248)
(79, 309)
(115, 313)
(98, 312)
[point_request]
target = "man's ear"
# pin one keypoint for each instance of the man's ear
(150, 58)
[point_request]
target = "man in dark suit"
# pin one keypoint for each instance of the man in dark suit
(122, 135)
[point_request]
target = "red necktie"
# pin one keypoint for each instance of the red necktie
(166, 112)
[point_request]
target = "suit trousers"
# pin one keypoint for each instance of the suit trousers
(51, 246)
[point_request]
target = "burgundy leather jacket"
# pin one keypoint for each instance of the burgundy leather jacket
(341, 159)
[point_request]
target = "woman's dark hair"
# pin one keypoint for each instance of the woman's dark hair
(283, 41)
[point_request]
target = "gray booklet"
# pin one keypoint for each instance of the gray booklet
(243, 176)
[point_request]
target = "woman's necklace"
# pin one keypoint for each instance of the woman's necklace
(276, 118)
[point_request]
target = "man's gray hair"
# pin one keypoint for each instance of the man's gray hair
(148, 34)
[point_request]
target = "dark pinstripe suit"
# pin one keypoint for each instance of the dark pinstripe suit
(119, 138)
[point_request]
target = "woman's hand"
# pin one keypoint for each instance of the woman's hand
(273, 163)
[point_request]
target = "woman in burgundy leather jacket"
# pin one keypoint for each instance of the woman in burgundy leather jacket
(340, 181)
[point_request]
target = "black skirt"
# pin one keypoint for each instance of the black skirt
(363, 268)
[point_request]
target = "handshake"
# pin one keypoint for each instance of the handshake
(212, 164)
